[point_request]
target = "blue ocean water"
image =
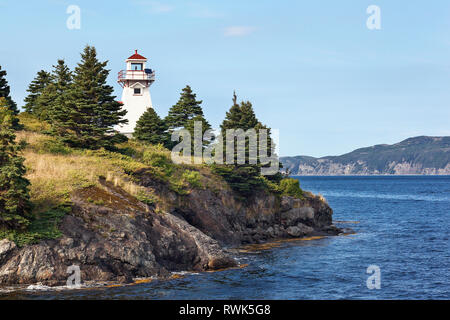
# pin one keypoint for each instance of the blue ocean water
(403, 227)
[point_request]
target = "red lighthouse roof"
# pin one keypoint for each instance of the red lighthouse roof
(137, 56)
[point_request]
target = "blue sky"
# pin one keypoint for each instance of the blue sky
(312, 69)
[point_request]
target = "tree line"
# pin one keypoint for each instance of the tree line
(82, 112)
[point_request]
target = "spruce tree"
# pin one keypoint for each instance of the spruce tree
(184, 114)
(88, 112)
(35, 89)
(244, 178)
(233, 117)
(248, 118)
(5, 93)
(190, 126)
(151, 128)
(55, 93)
(184, 110)
(14, 193)
(242, 116)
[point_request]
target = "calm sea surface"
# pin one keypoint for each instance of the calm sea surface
(403, 227)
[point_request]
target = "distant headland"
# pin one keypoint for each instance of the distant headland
(414, 156)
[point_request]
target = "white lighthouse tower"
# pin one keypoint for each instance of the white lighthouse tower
(135, 81)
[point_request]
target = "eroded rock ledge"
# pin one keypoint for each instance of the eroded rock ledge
(122, 238)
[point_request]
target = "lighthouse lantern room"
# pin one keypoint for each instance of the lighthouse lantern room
(135, 81)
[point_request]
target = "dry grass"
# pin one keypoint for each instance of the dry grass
(56, 171)
(31, 138)
(54, 177)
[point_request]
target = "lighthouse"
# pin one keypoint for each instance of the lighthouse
(135, 81)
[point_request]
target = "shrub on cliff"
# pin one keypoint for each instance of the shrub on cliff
(291, 187)
(244, 180)
(14, 193)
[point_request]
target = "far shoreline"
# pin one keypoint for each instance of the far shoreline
(372, 175)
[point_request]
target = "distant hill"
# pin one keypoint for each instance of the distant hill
(418, 156)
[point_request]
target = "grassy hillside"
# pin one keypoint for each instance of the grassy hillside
(56, 171)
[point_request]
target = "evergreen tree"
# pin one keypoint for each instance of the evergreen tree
(151, 128)
(5, 93)
(184, 110)
(88, 112)
(35, 89)
(244, 178)
(233, 117)
(184, 114)
(190, 126)
(248, 118)
(243, 117)
(55, 93)
(14, 193)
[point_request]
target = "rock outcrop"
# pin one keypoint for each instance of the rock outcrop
(114, 237)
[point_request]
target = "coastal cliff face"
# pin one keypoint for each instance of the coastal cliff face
(414, 156)
(113, 237)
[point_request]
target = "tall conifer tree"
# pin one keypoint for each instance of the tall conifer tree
(184, 110)
(55, 94)
(185, 113)
(87, 115)
(5, 91)
(14, 193)
(35, 89)
(151, 128)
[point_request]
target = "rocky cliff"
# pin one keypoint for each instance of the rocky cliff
(414, 156)
(114, 237)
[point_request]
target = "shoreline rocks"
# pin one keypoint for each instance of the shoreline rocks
(124, 239)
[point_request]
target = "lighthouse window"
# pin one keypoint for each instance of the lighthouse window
(136, 66)
(137, 90)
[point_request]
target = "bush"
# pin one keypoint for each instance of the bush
(244, 180)
(291, 187)
(146, 197)
(55, 147)
(31, 123)
(45, 226)
(193, 178)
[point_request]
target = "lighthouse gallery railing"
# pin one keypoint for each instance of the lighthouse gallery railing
(136, 75)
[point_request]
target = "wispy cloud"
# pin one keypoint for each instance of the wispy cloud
(239, 31)
(190, 9)
(197, 10)
(156, 6)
